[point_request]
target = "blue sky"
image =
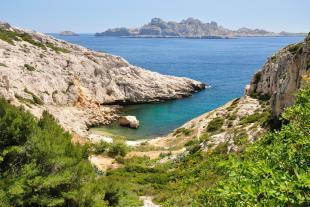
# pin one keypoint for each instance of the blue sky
(97, 15)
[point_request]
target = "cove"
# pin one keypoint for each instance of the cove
(227, 65)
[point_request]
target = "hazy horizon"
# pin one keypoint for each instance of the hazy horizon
(98, 15)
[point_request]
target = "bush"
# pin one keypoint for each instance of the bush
(3, 65)
(273, 171)
(118, 149)
(215, 125)
(241, 138)
(261, 118)
(39, 166)
(100, 147)
(29, 67)
(56, 49)
(183, 131)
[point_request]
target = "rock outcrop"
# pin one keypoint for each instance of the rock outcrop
(189, 28)
(241, 121)
(68, 33)
(281, 76)
(76, 84)
(129, 121)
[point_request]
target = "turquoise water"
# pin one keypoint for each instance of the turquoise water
(225, 64)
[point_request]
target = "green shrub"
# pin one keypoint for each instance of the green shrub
(295, 48)
(240, 138)
(232, 116)
(183, 131)
(3, 65)
(261, 118)
(233, 105)
(28, 38)
(35, 98)
(29, 67)
(118, 149)
(57, 49)
(39, 166)
(215, 125)
(8, 36)
(100, 147)
(271, 172)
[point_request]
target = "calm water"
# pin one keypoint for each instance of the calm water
(225, 64)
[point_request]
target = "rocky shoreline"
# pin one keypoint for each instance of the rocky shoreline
(79, 87)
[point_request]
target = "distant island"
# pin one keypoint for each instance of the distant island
(68, 33)
(189, 28)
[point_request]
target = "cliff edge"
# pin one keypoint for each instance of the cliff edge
(74, 83)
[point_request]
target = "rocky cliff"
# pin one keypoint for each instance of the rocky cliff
(281, 76)
(189, 28)
(244, 120)
(74, 83)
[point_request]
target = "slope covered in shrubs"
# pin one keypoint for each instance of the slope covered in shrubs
(39, 166)
(271, 172)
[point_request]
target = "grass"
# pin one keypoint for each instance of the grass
(215, 125)
(29, 67)
(3, 65)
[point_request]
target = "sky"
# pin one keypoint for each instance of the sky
(89, 16)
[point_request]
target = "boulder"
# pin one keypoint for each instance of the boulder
(129, 121)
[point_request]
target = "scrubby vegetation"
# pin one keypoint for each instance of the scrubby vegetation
(182, 131)
(261, 118)
(56, 49)
(29, 67)
(215, 124)
(295, 48)
(3, 65)
(270, 172)
(39, 166)
(11, 36)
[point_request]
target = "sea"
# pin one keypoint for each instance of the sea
(225, 65)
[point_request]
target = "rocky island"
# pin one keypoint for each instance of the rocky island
(68, 33)
(189, 28)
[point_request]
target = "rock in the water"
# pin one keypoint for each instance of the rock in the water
(68, 33)
(129, 121)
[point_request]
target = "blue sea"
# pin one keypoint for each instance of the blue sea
(227, 65)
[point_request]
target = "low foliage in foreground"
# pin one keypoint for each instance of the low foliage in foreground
(271, 172)
(39, 166)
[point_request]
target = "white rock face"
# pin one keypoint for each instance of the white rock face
(281, 76)
(77, 84)
(129, 121)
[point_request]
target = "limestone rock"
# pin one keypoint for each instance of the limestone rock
(129, 121)
(281, 76)
(80, 87)
(188, 28)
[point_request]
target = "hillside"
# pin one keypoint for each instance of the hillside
(234, 155)
(75, 84)
(189, 28)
